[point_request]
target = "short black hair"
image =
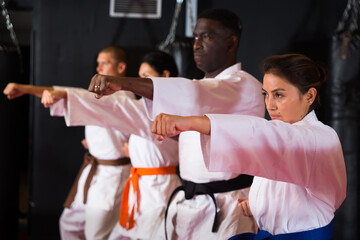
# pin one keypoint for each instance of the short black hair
(226, 17)
(161, 61)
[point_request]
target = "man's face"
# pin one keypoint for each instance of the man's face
(107, 65)
(211, 45)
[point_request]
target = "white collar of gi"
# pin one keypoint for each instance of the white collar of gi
(227, 73)
(310, 117)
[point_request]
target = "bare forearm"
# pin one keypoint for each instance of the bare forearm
(140, 86)
(15, 90)
(36, 90)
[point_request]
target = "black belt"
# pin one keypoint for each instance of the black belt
(191, 189)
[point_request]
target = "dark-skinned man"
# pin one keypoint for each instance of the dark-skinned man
(205, 206)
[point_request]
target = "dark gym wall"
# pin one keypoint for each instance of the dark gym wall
(67, 35)
(13, 144)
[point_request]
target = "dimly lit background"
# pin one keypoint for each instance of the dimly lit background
(59, 42)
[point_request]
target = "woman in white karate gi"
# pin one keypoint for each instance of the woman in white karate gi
(297, 161)
(153, 163)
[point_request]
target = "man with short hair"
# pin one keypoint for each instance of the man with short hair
(208, 209)
(92, 207)
(153, 173)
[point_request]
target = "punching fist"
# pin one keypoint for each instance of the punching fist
(166, 125)
(14, 90)
(104, 85)
(51, 97)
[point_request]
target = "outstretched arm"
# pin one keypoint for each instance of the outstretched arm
(106, 85)
(15, 90)
(51, 97)
(166, 125)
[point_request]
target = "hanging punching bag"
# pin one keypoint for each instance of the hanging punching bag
(181, 48)
(343, 96)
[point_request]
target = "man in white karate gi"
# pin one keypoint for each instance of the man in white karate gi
(205, 207)
(92, 207)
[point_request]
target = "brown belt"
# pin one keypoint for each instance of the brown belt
(89, 159)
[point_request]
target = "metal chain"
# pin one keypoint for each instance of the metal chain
(354, 16)
(10, 27)
(189, 5)
(171, 36)
(353, 7)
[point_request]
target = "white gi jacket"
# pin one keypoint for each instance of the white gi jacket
(108, 182)
(104, 144)
(300, 169)
(232, 91)
(129, 117)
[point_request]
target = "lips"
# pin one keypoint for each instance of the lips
(274, 117)
(198, 58)
(198, 53)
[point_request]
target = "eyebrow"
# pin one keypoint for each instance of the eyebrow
(275, 90)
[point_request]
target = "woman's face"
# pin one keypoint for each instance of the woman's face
(284, 101)
(146, 70)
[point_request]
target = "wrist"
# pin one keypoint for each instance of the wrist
(63, 94)
(200, 124)
(26, 88)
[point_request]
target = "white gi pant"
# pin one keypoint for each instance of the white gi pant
(194, 218)
(93, 220)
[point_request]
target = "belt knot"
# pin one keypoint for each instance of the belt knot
(125, 220)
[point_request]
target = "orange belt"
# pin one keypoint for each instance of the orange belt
(126, 221)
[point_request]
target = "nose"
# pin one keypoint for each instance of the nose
(98, 68)
(197, 43)
(270, 103)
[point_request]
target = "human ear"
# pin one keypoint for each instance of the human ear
(121, 67)
(311, 95)
(233, 42)
(165, 73)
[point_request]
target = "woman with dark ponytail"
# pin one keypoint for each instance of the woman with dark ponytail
(297, 161)
(300, 71)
